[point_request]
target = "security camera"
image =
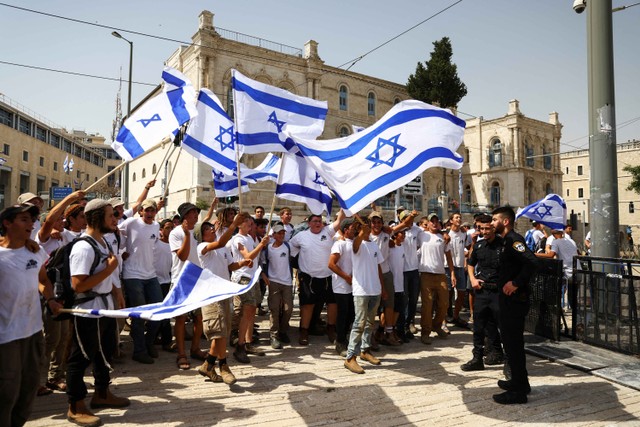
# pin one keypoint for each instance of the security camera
(579, 5)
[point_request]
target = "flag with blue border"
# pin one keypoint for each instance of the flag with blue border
(299, 182)
(550, 211)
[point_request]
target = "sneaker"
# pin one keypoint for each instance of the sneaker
(106, 399)
(442, 334)
(284, 338)
(80, 415)
(304, 336)
(367, 356)
(341, 349)
(142, 358)
(275, 343)
(474, 364)
(227, 375)
(352, 365)
(413, 329)
(494, 359)
(251, 349)
(241, 355)
(425, 339)
(209, 371)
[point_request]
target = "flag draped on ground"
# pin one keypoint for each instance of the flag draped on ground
(194, 288)
(263, 112)
(367, 165)
(159, 117)
(299, 182)
(211, 136)
(550, 211)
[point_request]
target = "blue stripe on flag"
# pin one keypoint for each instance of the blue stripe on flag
(172, 79)
(178, 105)
(280, 103)
(207, 151)
(408, 169)
(263, 138)
(204, 98)
(129, 142)
(301, 190)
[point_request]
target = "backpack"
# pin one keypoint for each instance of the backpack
(528, 239)
(59, 274)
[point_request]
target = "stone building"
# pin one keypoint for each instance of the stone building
(34, 149)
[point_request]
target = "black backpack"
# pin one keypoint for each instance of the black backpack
(59, 275)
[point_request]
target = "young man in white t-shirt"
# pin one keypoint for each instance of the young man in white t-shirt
(367, 290)
(162, 262)
(459, 244)
(564, 250)
(94, 340)
(216, 317)
(22, 274)
(396, 264)
(140, 279)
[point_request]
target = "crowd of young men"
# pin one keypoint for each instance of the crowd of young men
(356, 268)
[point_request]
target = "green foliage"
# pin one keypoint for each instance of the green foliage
(203, 205)
(437, 80)
(635, 178)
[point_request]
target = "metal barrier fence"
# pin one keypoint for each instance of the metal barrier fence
(546, 291)
(603, 299)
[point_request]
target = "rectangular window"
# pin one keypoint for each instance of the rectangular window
(55, 166)
(567, 192)
(580, 170)
(6, 149)
(55, 140)
(41, 134)
(25, 156)
(66, 146)
(567, 173)
(24, 126)
(6, 117)
(580, 193)
(41, 161)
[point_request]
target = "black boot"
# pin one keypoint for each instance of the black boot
(475, 364)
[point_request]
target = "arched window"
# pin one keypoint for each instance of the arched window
(344, 131)
(230, 101)
(371, 104)
(530, 194)
(134, 177)
(548, 189)
(495, 194)
(495, 154)
(547, 158)
(144, 173)
(528, 152)
(343, 98)
(396, 101)
(154, 169)
(467, 194)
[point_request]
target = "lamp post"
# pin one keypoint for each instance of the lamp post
(125, 171)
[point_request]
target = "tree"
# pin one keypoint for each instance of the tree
(437, 80)
(634, 185)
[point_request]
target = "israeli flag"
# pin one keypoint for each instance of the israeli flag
(411, 137)
(550, 211)
(71, 165)
(195, 288)
(299, 182)
(266, 171)
(356, 128)
(65, 164)
(2, 161)
(264, 112)
(211, 136)
(159, 117)
(227, 185)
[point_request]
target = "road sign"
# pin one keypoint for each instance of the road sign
(59, 193)
(414, 187)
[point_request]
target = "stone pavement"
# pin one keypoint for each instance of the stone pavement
(415, 385)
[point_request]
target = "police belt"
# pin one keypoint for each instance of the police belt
(493, 287)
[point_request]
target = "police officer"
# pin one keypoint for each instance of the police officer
(517, 265)
(483, 267)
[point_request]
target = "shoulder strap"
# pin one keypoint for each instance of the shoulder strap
(96, 250)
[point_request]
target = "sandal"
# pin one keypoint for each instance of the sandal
(43, 391)
(183, 362)
(199, 355)
(59, 385)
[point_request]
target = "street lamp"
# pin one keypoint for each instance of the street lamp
(125, 170)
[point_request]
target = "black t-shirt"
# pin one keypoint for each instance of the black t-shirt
(517, 262)
(485, 257)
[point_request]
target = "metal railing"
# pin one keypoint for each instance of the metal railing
(257, 41)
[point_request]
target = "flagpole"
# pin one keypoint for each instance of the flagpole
(166, 186)
(235, 127)
(273, 201)
(168, 153)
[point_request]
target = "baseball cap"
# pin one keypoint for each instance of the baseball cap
(115, 201)
(346, 223)
(184, 208)
(400, 208)
(11, 212)
(375, 214)
(27, 197)
(277, 228)
(403, 215)
(149, 203)
(432, 215)
(96, 204)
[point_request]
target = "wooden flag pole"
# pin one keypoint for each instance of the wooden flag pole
(273, 201)
(166, 187)
(167, 154)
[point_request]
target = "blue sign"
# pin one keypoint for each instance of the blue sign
(59, 193)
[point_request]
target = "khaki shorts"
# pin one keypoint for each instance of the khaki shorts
(216, 319)
(253, 296)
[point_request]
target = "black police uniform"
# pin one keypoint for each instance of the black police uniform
(517, 264)
(485, 257)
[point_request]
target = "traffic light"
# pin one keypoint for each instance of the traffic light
(631, 207)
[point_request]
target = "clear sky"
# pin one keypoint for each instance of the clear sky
(533, 51)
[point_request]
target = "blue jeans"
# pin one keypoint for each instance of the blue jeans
(365, 308)
(411, 292)
(141, 292)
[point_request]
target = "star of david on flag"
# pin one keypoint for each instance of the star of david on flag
(211, 136)
(362, 167)
(227, 184)
(299, 182)
(264, 112)
(550, 211)
(159, 117)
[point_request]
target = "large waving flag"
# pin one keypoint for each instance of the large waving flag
(159, 117)
(211, 136)
(411, 137)
(227, 185)
(266, 171)
(299, 182)
(550, 211)
(195, 288)
(263, 112)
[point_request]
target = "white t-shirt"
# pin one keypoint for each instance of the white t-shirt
(549, 241)
(459, 241)
(365, 279)
(80, 261)
(537, 235)
(431, 249)
(162, 262)
(141, 241)
(20, 311)
(279, 267)
(565, 250)
(345, 249)
(382, 240)
(411, 261)
(50, 244)
(176, 238)
(69, 236)
(37, 225)
(314, 250)
(249, 245)
(288, 232)
(217, 261)
(396, 262)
